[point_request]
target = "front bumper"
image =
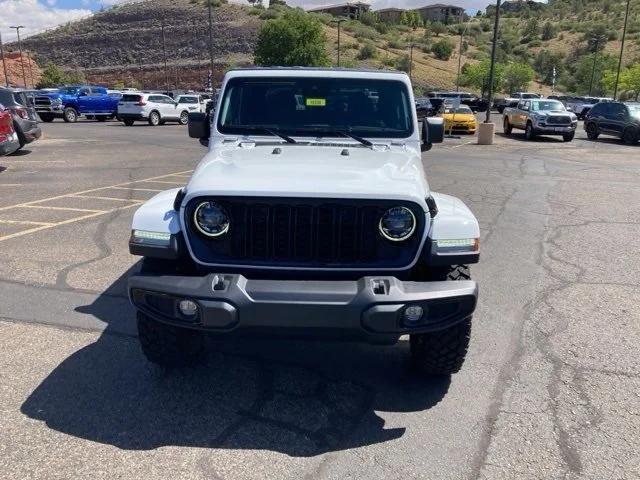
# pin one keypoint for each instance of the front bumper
(32, 135)
(369, 309)
(9, 145)
(554, 129)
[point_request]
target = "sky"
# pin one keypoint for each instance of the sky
(37, 15)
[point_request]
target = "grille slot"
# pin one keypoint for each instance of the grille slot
(307, 232)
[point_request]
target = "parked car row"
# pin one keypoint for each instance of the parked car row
(23, 115)
(157, 109)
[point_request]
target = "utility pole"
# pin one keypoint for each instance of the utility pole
(210, 38)
(33, 84)
(496, 25)
(24, 76)
(624, 33)
(164, 54)
(4, 64)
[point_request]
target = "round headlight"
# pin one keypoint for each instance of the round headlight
(397, 224)
(211, 219)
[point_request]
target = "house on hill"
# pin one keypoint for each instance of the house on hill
(390, 15)
(346, 9)
(440, 12)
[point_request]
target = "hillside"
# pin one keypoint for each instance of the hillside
(124, 43)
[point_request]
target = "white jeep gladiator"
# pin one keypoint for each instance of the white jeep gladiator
(310, 216)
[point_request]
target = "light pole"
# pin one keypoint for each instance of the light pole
(462, 32)
(339, 21)
(496, 25)
(24, 75)
(624, 33)
(4, 65)
(210, 39)
(410, 61)
(164, 54)
(595, 57)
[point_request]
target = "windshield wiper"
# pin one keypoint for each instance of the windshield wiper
(270, 131)
(357, 138)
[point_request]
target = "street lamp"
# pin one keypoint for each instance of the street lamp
(4, 65)
(496, 25)
(624, 33)
(595, 57)
(24, 75)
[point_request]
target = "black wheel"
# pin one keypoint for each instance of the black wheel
(70, 115)
(630, 136)
(154, 119)
(169, 346)
(529, 132)
(184, 118)
(443, 352)
(567, 137)
(507, 126)
(128, 122)
(47, 118)
(592, 131)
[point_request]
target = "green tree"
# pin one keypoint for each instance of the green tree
(544, 63)
(403, 63)
(438, 28)
(586, 68)
(443, 49)
(629, 80)
(531, 29)
(294, 39)
(476, 75)
(52, 76)
(367, 51)
(517, 76)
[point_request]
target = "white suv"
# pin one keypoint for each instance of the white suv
(155, 108)
(192, 102)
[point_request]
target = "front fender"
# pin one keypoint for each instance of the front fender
(453, 221)
(157, 217)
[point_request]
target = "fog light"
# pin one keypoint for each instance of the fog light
(188, 308)
(413, 314)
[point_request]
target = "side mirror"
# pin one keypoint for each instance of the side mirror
(199, 126)
(432, 132)
(569, 109)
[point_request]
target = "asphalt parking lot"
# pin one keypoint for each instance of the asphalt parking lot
(550, 388)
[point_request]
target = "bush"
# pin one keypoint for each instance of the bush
(367, 51)
(396, 43)
(403, 63)
(294, 39)
(443, 49)
(438, 28)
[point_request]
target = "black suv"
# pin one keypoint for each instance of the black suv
(25, 121)
(614, 118)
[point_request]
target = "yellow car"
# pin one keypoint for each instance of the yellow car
(460, 119)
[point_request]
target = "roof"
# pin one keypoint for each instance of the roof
(317, 72)
(317, 69)
(391, 9)
(438, 5)
(338, 5)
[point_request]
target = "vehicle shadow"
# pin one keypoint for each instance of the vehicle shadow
(20, 153)
(520, 137)
(299, 398)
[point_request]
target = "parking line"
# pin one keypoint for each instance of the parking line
(47, 207)
(137, 200)
(67, 195)
(158, 181)
(64, 222)
(10, 184)
(25, 222)
(137, 189)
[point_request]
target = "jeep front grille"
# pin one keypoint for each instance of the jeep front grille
(304, 233)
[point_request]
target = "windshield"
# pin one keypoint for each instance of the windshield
(546, 105)
(304, 105)
(188, 100)
(68, 90)
(460, 109)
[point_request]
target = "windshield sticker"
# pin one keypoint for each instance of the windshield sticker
(316, 102)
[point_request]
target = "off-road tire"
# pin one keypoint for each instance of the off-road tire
(128, 122)
(529, 131)
(168, 346)
(70, 115)
(629, 136)
(443, 352)
(184, 118)
(507, 126)
(592, 131)
(154, 119)
(567, 137)
(46, 118)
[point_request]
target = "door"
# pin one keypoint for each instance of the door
(169, 108)
(617, 118)
(85, 103)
